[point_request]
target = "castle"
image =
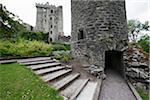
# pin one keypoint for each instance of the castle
(99, 32)
(49, 19)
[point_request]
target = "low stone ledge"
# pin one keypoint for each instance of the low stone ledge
(135, 93)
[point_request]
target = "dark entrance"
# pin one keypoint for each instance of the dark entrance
(114, 61)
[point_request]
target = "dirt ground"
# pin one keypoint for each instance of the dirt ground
(77, 67)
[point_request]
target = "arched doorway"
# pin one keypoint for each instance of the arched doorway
(114, 61)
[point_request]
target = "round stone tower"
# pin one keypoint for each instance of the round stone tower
(99, 29)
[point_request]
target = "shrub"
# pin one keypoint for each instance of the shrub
(61, 46)
(63, 56)
(24, 48)
(39, 36)
(68, 47)
(144, 42)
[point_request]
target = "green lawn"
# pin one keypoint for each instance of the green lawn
(19, 83)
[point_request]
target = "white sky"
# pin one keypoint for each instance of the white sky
(26, 10)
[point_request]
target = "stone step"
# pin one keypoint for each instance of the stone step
(54, 75)
(79, 90)
(38, 62)
(7, 61)
(88, 92)
(65, 81)
(74, 89)
(33, 59)
(42, 66)
(49, 70)
(98, 89)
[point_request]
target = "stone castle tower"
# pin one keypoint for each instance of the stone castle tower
(99, 32)
(49, 19)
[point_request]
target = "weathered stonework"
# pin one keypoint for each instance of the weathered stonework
(137, 66)
(97, 26)
(49, 19)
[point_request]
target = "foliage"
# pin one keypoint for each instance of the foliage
(60, 46)
(12, 26)
(24, 48)
(20, 83)
(68, 46)
(28, 48)
(63, 56)
(144, 42)
(39, 36)
(145, 95)
(135, 27)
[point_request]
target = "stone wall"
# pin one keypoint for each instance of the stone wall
(137, 66)
(49, 19)
(97, 26)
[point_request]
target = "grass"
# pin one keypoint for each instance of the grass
(143, 94)
(19, 83)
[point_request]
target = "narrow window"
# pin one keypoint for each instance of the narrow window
(50, 18)
(51, 26)
(81, 34)
(52, 11)
(50, 40)
(51, 32)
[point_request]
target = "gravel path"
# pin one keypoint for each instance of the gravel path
(115, 88)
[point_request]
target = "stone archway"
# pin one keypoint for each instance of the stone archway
(114, 61)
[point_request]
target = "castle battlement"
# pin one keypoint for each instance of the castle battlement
(46, 5)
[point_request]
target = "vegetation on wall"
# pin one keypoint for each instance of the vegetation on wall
(144, 42)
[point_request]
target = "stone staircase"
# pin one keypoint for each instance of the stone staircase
(69, 84)
(74, 83)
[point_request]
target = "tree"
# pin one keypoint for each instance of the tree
(135, 27)
(10, 27)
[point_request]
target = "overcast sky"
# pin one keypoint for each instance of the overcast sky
(26, 10)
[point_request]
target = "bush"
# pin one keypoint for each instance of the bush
(24, 48)
(63, 56)
(144, 42)
(60, 46)
(68, 47)
(39, 36)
